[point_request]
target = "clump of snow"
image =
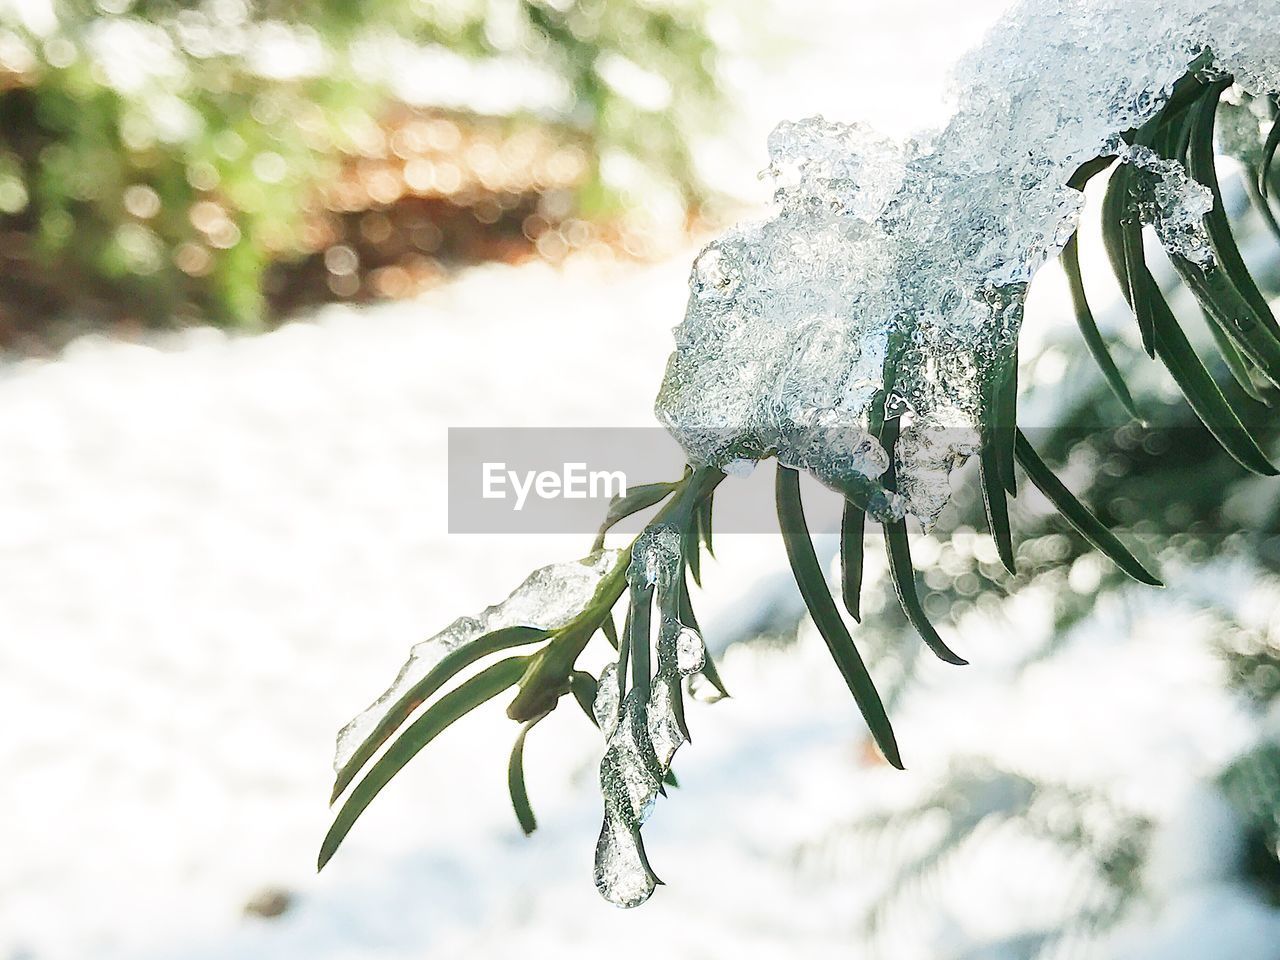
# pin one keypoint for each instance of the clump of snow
(902, 268)
(549, 598)
(642, 736)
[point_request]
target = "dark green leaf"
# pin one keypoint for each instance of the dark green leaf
(1135, 254)
(1087, 171)
(1268, 157)
(1224, 305)
(637, 499)
(1187, 90)
(640, 618)
(688, 618)
(712, 676)
(624, 654)
(853, 524)
(677, 707)
(1089, 328)
(1201, 391)
(583, 686)
(692, 552)
(685, 608)
(813, 589)
(515, 782)
(1115, 207)
(420, 692)
(1240, 369)
(1089, 526)
(1122, 237)
(454, 705)
(1201, 166)
(705, 508)
(997, 506)
(1262, 205)
(1006, 421)
(903, 573)
(1175, 352)
(609, 630)
(901, 569)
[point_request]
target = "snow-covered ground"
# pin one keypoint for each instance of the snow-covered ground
(215, 550)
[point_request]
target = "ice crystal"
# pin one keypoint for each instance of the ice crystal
(899, 270)
(549, 598)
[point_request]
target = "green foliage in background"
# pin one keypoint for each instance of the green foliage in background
(157, 158)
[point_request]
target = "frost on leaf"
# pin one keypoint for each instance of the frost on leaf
(894, 274)
(549, 598)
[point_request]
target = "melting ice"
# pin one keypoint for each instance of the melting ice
(549, 598)
(900, 269)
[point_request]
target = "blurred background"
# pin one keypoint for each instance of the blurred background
(256, 257)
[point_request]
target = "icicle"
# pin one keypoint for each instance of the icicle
(642, 738)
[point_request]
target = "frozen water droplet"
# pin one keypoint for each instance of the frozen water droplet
(622, 876)
(691, 652)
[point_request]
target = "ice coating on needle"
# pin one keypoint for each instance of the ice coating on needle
(643, 735)
(549, 598)
(893, 275)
